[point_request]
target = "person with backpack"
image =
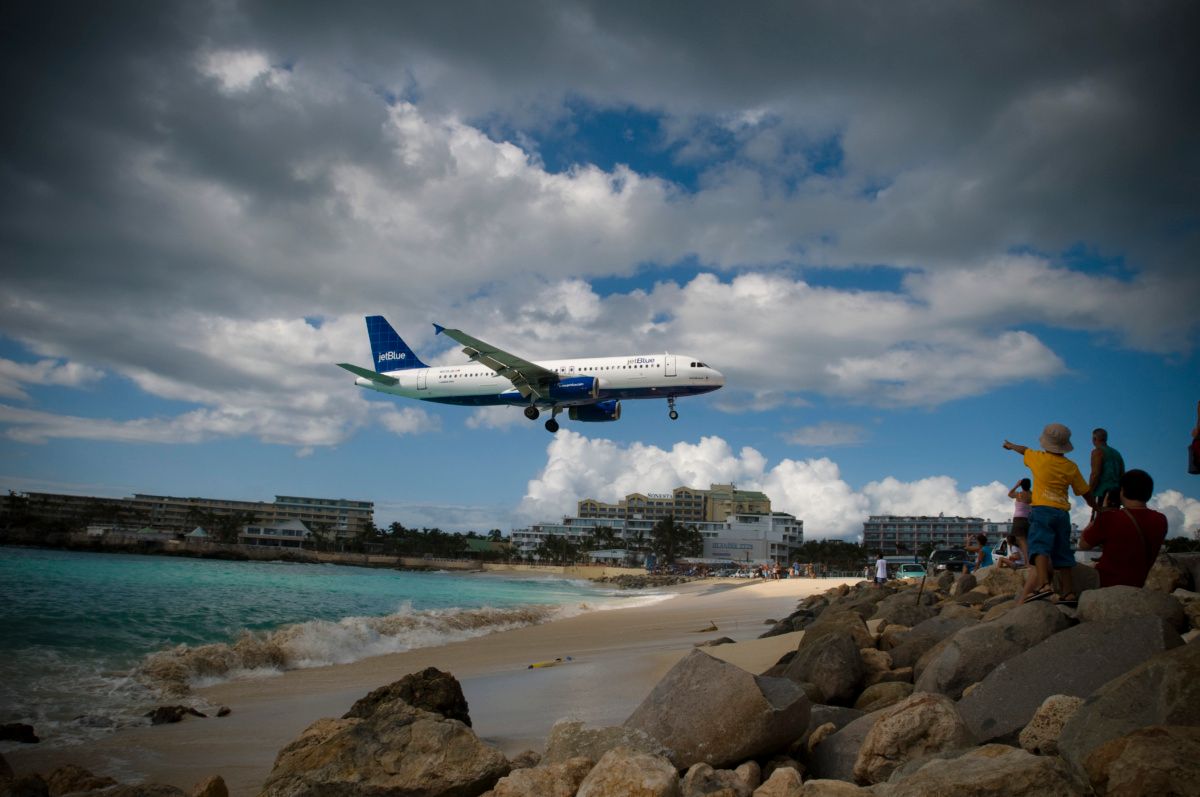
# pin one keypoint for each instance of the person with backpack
(1130, 535)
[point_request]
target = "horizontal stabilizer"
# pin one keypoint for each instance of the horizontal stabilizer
(365, 373)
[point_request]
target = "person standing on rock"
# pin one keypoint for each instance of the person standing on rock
(880, 570)
(1049, 516)
(1022, 503)
(1131, 536)
(1107, 468)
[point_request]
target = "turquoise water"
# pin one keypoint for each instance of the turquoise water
(89, 642)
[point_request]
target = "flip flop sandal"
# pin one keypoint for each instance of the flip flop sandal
(1040, 595)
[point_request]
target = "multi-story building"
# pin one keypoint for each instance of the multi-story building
(907, 535)
(742, 537)
(685, 504)
(336, 517)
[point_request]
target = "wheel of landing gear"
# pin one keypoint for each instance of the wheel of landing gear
(531, 412)
(673, 415)
(551, 426)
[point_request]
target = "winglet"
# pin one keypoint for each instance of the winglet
(439, 329)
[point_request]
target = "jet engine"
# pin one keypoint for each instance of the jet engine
(603, 411)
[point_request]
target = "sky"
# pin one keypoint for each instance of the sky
(904, 232)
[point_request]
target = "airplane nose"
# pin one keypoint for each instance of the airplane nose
(718, 377)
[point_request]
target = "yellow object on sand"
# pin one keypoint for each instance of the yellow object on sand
(550, 663)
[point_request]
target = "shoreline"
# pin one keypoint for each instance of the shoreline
(617, 656)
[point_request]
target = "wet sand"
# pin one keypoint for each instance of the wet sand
(617, 657)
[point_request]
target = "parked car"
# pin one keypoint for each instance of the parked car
(951, 559)
(910, 570)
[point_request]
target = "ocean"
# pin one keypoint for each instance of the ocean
(90, 642)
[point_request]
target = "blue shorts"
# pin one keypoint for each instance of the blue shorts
(1050, 535)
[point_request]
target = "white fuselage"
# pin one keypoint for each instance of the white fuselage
(641, 376)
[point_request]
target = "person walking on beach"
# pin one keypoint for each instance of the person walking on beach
(880, 569)
(1131, 536)
(1049, 518)
(1107, 468)
(1022, 503)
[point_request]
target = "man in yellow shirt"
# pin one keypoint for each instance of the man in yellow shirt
(1049, 517)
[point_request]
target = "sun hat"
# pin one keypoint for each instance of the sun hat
(1056, 439)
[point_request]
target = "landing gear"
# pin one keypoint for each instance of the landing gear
(552, 425)
(673, 415)
(532, 412)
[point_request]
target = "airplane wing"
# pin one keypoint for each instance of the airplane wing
(366, 373)
(528, 378)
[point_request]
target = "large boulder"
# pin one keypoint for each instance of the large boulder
(627, 772)
(1083, 579)
(28, 785)
(1075, 662)
(910, 646)
(1114, 603)
(1163, 690)
(986, 771)
(1167, 576)
(834, 757)
(398, 749)
(834, 621)
(570, 739)
(559, 779)
(838, 716)
(430, 689)
(784, 782)
(918, 725)
(212, 786)
(903, 608)
(972, 653)
(963, 583)
(709, 710)
(862, 601)
(1153, 761)
(833, 664)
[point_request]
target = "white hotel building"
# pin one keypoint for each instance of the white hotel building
(742, 538)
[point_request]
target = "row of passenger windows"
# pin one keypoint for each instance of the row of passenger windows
(581, 372)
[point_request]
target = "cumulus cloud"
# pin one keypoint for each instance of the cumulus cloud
(813, 489)
(1183, 513)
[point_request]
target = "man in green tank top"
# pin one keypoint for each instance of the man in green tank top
(1107, 468)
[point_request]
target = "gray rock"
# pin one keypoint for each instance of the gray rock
(959, 612)
(569, 739)
(1164, 690)
(964, 583)
(861, 601)
(71, 778)
(397, 749)
(1075, 662)
(945, 581)
(834, 621)
(430, 689)
(834, 757)
(904, 609)
(925, 635)
(840, 716)
(973, 652)
(30, 785)
(708, 710)
(624, 771)
(1114, 603)
(832, 663)
(1040, 736)
(1083, 579)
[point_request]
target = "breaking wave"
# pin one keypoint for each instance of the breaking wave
(316, 643)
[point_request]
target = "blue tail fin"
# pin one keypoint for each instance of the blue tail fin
(390, 351)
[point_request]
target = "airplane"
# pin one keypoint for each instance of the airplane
(589, 389)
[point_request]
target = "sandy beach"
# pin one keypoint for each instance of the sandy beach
(617, 656)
